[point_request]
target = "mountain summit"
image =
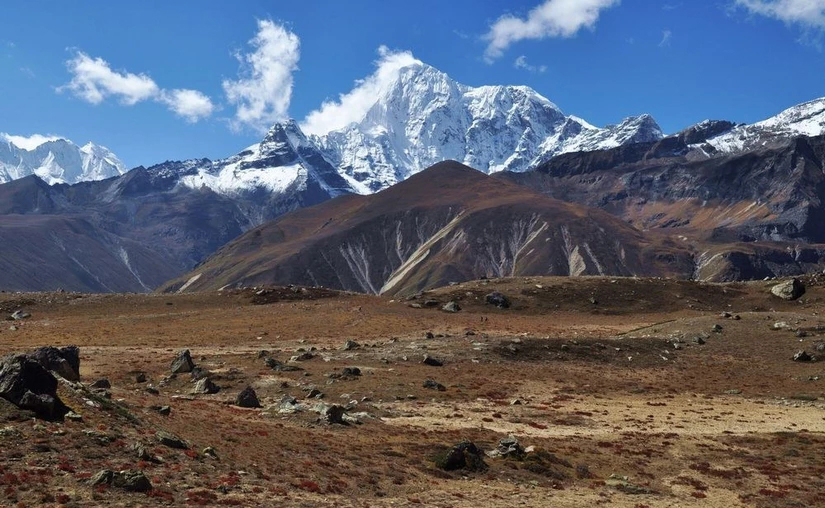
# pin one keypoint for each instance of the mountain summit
(57, 160)
(423, 117)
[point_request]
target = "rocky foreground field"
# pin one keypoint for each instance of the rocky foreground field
(507, 392)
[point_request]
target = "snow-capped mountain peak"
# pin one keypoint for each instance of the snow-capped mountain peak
(806, 119)
(55, 160)
(422, 117)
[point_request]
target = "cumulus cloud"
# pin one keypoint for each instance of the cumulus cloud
(27, 142)
(93, 80)
(191, 105)
(521, 63)
(352, 106)
(808, 14)
(263, 90)
(553, 18)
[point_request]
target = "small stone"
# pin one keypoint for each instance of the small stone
(430, 335)
(205, 386)
(802, 356)
(171, 440)
(314, 394)
(433, 362)
(350, 345)
(306, 355)
(433, 385)
(101, 383)
(182, 362)
(497, 299)
(717, 328)
(133, 481)
(247, 398)
(210, 452)
(140, 377)
(334, 414)
(452, 306)
(71, 415)
(20, 314)
(464, 455)
(152, 389)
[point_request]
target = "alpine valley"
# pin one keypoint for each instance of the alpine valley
(553, 195)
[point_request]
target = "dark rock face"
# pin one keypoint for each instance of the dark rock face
(25, 381)
(64, 361)
(247, 398)
(682, 185)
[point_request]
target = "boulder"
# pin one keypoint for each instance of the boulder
(350, 345)
(28, 385)
(205, 386)
(433, 385)
(433, 362)
(451, 306)
(274, 364)
(465, 455)
(802, 356)
(103, 384)
(247, 398)
(789, 290)
(509, 447)
(497, 299)
(182, 362)
(65, 361)
(171, 440)
(333, 414)
(133, 481)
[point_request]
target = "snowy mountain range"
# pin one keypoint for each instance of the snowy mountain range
(424, 117)
(419, 118)
(56, 160)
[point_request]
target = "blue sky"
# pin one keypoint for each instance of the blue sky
(157, 80)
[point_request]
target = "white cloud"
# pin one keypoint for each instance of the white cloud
(553, 18)
(263, 90)
(666, 36)
(192, 105)
(521, 63)
(352, 106)
(808, 14)
(93, 80)
(28, 143)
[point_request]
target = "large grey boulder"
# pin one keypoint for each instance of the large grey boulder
(65, 361)
(789, 290)
(27, 384)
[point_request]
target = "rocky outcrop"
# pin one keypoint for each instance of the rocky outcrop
(27, 381)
